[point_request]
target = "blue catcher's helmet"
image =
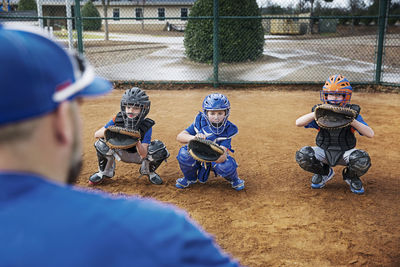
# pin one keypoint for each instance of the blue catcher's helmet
(216, 101)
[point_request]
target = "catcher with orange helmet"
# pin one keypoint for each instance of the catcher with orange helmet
(335, 145)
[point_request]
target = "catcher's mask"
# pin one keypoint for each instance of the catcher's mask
(216, 102)
(336, 85)
(135, 97)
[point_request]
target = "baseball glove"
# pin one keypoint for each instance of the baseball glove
(333, 117)
(121, 138)
(204, 150)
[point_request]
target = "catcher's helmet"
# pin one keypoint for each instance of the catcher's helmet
(338, 85)
(138, 98)
(216, 101)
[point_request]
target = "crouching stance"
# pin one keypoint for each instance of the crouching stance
(135, 105)
(211, 124)
(335, 146)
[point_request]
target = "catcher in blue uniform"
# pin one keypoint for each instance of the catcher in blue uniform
(335, 146)
(211, 124)
(135, 105)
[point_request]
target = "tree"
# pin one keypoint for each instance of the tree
(27, 5)
(89, 10)
(239, 39)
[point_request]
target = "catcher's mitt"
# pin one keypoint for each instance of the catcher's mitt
(204, 150)
(333, 117)
(121, 138)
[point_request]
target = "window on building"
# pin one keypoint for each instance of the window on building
(139, 13)
(184, 13)
(161, 13)
(116, 13)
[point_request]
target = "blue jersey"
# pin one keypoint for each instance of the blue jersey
(200, 125)
(147, 135)
(314, 124)
(47, 224)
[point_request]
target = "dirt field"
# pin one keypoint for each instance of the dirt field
(278, 220)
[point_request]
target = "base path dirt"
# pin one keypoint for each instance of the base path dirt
(278, 220)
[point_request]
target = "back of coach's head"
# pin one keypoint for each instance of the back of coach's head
(40, 82)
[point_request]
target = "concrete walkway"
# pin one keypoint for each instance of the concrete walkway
(281, 62)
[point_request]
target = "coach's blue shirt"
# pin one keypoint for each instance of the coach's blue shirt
(49, 224)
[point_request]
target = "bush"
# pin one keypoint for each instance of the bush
(27, 5)
(89, 10)
(239, 39)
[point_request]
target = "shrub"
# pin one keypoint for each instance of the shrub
(89, 10)
(239, 39)
(27, 5)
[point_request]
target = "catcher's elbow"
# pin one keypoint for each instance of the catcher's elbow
(299, 123)
(370, 134)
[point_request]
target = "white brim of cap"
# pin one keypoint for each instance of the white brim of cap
(99, 86)
(88, 85)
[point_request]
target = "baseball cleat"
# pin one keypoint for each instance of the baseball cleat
(238, 184)
(354, 182)
(155, 178)
(182, 183)
(356, 185)
(95, 179)
(318, 181)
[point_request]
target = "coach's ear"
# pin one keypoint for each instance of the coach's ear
(62, 124)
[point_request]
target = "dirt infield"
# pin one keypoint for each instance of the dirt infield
(278, 220)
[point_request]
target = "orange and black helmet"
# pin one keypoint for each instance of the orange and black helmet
(337, 85)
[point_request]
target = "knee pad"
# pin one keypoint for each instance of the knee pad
(157, 151)
(102, 148)
(184, 158)
(104, 154)
(156, 154)
(226, 168)
(359, 162)
(306, 159)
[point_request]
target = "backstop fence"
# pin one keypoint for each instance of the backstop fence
(146, 41)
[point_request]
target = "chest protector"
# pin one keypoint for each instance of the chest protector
(143, 127)
(335, 142)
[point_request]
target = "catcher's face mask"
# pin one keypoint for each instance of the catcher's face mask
(339, 86)
(216, 116)
(132, 111)
(133, 114)
(216, 119)
(219, 106)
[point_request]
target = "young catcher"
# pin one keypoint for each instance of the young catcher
(336, 121)
(116, 140)
(212, 124)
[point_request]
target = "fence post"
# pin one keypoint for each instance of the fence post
(215, 43)
(78, 25)
(40, 13)
(68, 4)
(381, 37)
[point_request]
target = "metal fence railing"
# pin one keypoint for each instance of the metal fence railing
(144, 41)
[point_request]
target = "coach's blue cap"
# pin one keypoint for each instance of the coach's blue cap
(36, 74)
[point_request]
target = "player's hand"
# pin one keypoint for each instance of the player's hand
(200, 135)
(223, 157)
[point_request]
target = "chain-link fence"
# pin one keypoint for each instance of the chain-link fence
(162, 41)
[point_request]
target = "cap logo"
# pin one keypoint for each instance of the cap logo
(63, 85)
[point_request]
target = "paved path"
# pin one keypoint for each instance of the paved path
(279, 64)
